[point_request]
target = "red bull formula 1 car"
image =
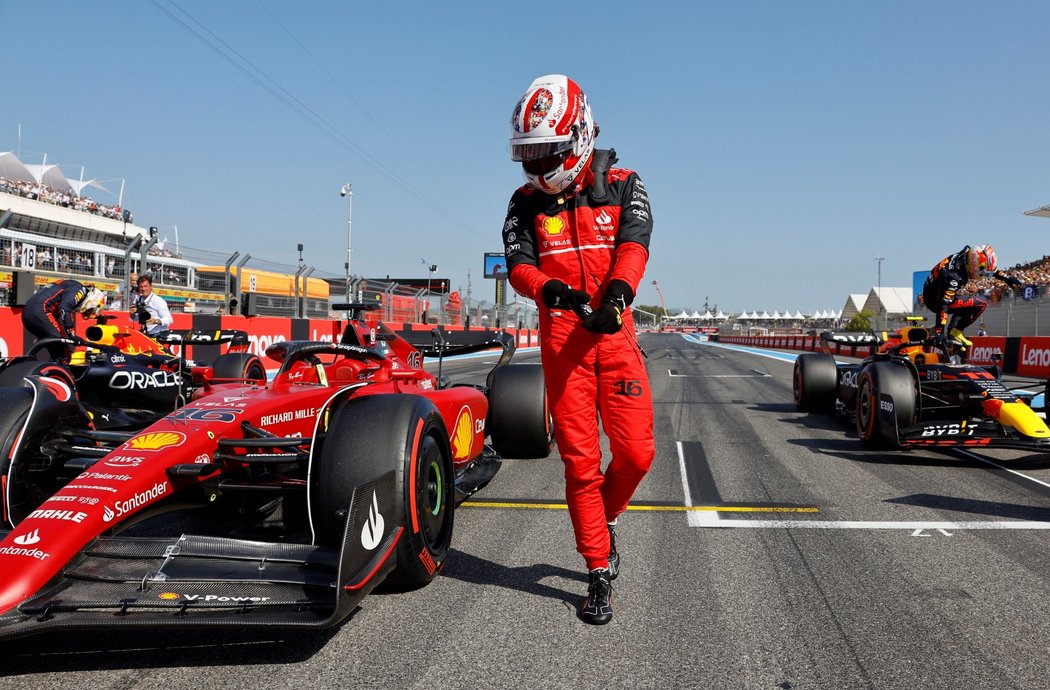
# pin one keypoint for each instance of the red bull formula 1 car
(340, 474)
(125, 379)
(912, 392)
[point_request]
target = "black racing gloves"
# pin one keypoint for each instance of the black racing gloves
(606, 318)
(558, 295)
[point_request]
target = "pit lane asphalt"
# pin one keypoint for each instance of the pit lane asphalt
(867, 600)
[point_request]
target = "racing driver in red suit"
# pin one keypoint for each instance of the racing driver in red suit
(576, 240)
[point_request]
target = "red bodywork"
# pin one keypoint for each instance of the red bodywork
(140, 473)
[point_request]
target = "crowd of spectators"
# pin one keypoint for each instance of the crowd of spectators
(46, 258)
(1034, 273)
(161, 249)
(42, 257)
(42, 192)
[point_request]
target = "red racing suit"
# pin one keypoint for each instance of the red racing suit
(587, 238)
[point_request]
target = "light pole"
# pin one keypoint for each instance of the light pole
(347, 191)
(430, 274)
(882, 307)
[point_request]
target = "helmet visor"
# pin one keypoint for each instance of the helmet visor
(521, 153)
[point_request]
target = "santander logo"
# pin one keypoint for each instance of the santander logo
(29, 538)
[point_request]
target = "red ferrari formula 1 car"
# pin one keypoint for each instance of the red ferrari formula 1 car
(340, 474)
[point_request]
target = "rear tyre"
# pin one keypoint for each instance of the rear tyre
(814, 382)
(876, 426)
(412, 441)
(242, 366)
(519, 422)
(19, 496)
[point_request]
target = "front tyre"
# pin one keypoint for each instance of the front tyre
(886, 401)
(368, 437)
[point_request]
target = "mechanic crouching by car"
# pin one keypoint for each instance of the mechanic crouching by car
(576, 240)
(49, 312)
(149, 309)
(940, 292)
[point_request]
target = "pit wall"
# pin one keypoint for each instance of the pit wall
(1024, 356)
(263, 331)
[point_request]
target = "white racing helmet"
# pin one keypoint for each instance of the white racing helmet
(552, 133)
(93, 302)
(981, 260)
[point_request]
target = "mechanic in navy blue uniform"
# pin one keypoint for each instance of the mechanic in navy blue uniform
(49, 312)
(941, 290)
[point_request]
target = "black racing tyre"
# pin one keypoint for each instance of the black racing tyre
(815, 382)
(896, 383)
(367, 437)
(13, 375)
(18, 497)
(519, 422)
(242, 366)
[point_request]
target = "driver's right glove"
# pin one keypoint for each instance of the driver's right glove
(558, 295)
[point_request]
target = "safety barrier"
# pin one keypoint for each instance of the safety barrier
(1024, 356)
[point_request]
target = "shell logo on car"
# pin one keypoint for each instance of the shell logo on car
(156, 440)
(463, 435)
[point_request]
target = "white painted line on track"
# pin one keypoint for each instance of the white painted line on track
(696, 518)
(757, 375)
(974, 456)
(910, 526)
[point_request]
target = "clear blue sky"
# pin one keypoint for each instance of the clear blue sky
(785, 145)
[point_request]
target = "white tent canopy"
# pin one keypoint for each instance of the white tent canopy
(51, 175)
(12, 168)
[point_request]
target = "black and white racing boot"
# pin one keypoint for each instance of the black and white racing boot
(596, 609)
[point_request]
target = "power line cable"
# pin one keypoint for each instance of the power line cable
(249, 70)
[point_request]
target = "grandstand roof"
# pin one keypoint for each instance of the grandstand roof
(14, 169)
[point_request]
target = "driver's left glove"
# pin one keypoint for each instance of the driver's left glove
(606, 318)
